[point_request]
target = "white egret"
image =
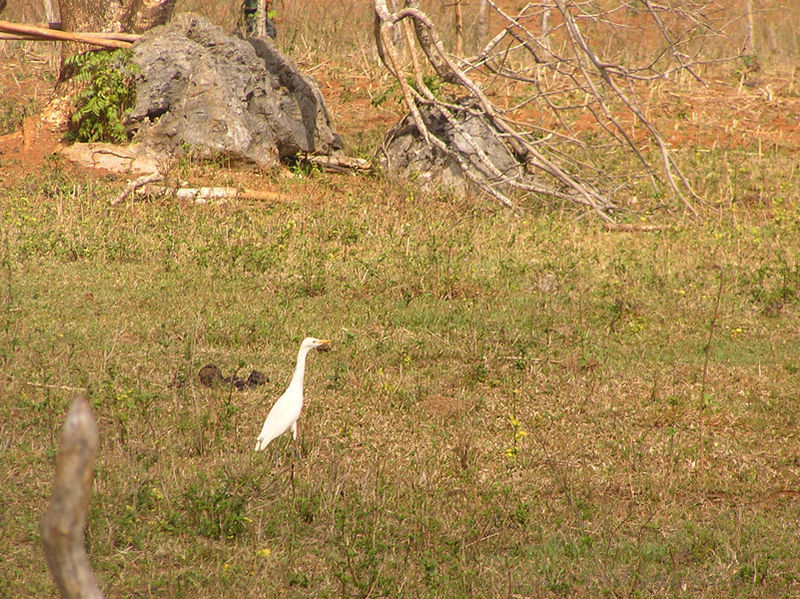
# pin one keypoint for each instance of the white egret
(284, 414)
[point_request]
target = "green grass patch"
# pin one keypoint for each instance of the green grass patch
(512, 406)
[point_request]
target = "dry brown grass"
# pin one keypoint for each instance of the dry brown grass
(415, 479)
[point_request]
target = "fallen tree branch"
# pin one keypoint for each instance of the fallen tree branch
(43, 33)
(136, 184)
(125, 37)
(59, 387)
(546, 91)
(110, 35)
(200, 195)
(340, 164)
(633, 228)
(64, 520)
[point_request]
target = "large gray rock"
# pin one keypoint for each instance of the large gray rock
(222, 95)
(406, 156)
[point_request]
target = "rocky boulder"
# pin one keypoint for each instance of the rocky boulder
(222, 95)
(406, 156)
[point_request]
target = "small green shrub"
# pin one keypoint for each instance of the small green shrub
(216, 514)
(432, 82)
(108, 97)
(12, 113)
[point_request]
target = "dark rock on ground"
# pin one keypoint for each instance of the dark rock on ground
(406, 156)
(222, 95)
(256, 379)
(236, 381)
(210, 375)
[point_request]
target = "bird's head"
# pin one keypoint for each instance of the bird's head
(310, 343)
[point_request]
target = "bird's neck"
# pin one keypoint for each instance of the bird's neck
(299, 370)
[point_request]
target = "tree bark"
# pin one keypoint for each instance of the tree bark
(129, 16)
(63, 523)
(751, 29)
(117, 16)
(459, 27)
(261, 19)
(483, 21)
(51, 14)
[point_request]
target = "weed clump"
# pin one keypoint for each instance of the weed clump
(217, 513)
(108, 96)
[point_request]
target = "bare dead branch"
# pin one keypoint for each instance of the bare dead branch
(53, 34)
(447, 69)
(132, 186)
(545, 60)
(125, 37)
(63, 523)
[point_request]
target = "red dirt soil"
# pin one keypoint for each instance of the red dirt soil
(26, 81)
(757, 114)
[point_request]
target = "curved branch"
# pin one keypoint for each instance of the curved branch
(562, 77)
(63, 523)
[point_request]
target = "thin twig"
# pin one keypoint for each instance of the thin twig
(707, 352)
(56, 387)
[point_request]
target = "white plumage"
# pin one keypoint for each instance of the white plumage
(284, 414)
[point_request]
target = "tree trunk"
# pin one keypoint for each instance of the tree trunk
(261, 19)
(397, 32)
(483, 21)
(50, 11)
(459, 25)
(751, 29)
(546, 13)
(128, 16)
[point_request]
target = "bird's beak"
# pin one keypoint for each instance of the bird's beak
(323, 344)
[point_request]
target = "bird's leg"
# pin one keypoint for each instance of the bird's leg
(279, 442)
(294, 441)
(278, 447)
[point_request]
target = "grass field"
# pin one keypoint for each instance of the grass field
(514, 405)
